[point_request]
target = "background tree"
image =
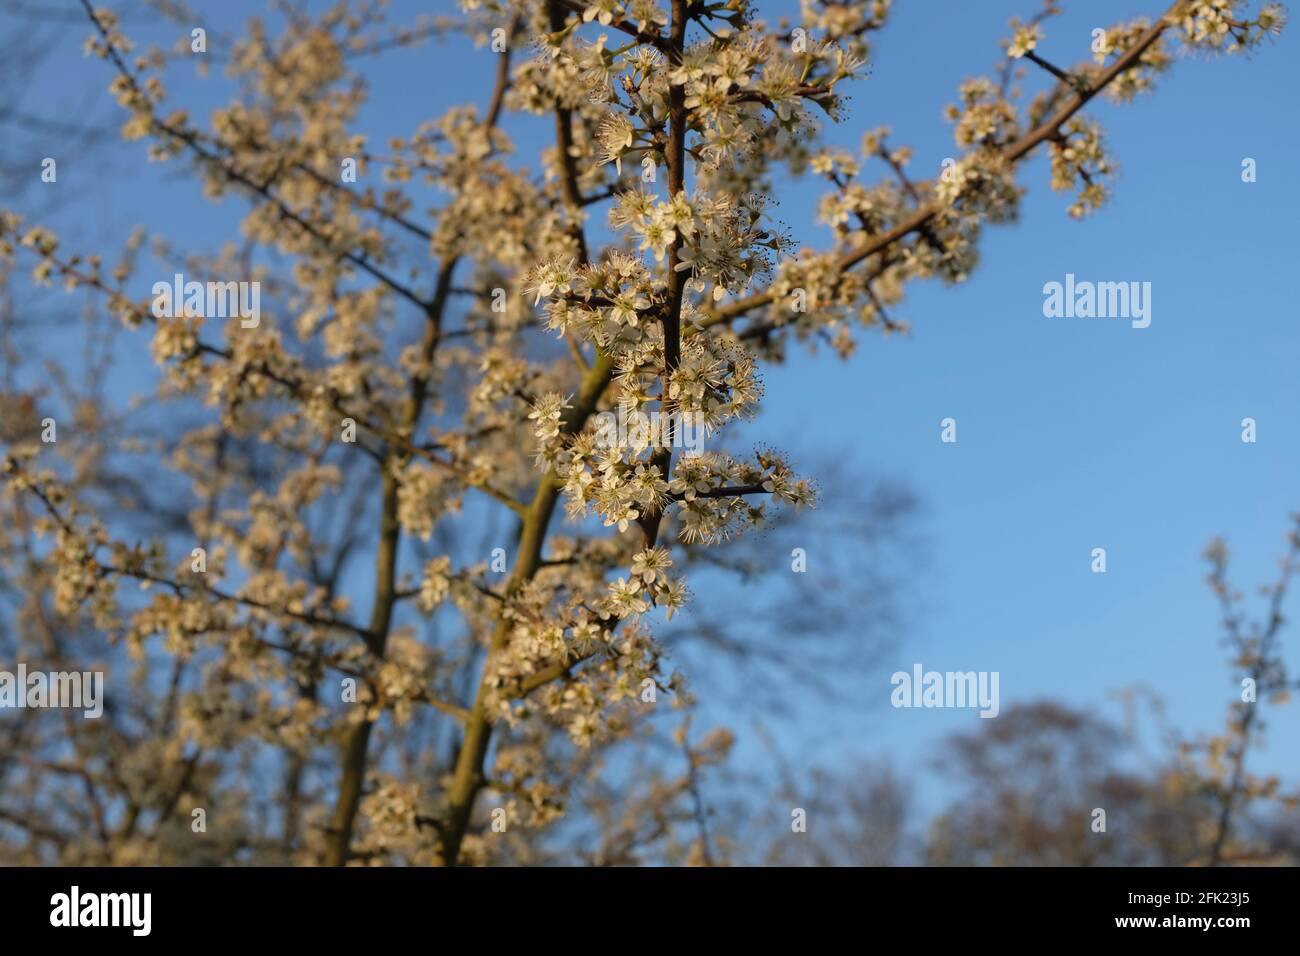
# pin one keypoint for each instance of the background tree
(1046, 784)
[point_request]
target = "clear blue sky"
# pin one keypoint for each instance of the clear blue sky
(1073, 433)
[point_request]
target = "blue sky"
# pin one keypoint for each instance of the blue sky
(1072, 433)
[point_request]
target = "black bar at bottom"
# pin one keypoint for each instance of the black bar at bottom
(499, 905)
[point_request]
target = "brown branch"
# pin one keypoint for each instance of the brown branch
(1261, 658)
(191, 139)
(1066, 78)
(736, 491)
(357, 745)
(564, 145)
(1012, 154)
(655, 39)
(675, 156)
(467, 778)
